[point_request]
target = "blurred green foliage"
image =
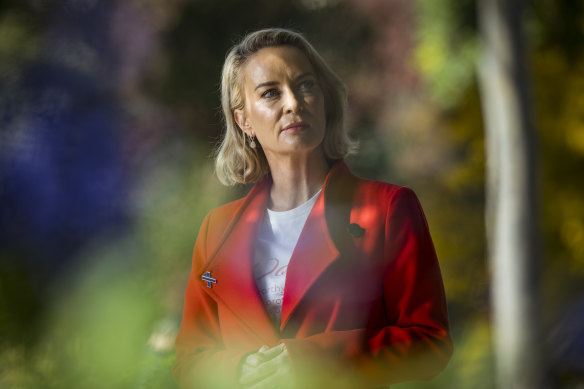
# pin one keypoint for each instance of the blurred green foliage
(446, 48)
(415, 107)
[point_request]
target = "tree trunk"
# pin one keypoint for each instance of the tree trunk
(511, 209)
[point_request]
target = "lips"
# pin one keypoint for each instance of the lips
(296, 126)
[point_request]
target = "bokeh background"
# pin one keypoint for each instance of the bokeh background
(109, 112)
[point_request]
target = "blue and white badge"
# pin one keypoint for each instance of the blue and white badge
(210, 280)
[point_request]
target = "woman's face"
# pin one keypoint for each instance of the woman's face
(284, 104)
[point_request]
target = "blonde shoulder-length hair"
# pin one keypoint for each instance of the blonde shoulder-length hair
(235, 161)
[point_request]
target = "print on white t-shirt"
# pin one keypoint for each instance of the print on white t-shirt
(277, 238)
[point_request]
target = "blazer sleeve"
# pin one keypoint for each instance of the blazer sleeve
(414, 342)
(202, 361)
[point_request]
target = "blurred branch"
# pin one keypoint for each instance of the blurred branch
(511, 196)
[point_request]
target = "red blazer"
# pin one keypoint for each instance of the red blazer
(363, 306)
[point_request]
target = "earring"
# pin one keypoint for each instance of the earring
(252, 143)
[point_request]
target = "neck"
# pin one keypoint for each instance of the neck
(296, 179)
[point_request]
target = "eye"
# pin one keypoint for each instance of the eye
(306, 85)
(270, 93)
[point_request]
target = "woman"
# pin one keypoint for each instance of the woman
(317, 278)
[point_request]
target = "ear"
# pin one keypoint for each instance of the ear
(241, 120)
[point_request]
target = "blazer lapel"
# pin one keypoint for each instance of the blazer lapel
(323, 239)
(231, 265)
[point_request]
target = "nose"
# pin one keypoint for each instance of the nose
(292, 103)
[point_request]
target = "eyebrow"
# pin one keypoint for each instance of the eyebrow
(271, 83)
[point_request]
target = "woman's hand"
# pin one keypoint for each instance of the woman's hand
(267, 368)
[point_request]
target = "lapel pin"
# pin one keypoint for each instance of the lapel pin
(355, 229)
(210, 280)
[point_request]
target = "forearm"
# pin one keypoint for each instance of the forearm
(352, 359)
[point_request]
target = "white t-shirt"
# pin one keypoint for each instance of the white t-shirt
(277, 238)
